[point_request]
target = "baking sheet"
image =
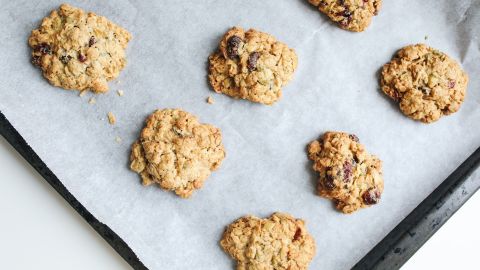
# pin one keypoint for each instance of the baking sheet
(266, 169)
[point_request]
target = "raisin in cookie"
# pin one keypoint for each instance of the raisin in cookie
(176, 151)
(251, 65)
(352, 15)
(349, 176)
(279, 242)
(425, 82)
(78, 50)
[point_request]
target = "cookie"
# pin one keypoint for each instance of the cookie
(425, 82)
(251, 65)
(352, 15)
(349, 175)
(176, 151)
(279, 242)
(78, 50)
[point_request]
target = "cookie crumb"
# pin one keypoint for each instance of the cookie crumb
(118, 139)
(82, 93)
(120, 93)
(111, 118)
(210, 100)
(92, 101)
(426, 37)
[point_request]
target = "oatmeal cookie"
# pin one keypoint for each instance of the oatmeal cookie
(279, 242)
(78, 50)
(349, 175)
(425, 82)
(251, 65)
(352, 15)
(176, 151)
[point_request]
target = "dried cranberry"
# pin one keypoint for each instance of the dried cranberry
(252, 61)
(82, 58)
(329, 182)
(355, 160)
(347, 17)
(43, 48)
(345, 13)
(371, 196)
(395, 95)
(91, 41)
(298, 234)
(347, 171)
(451, 84)
(36, 60)
(353, 137)
(233, 44)
(65, 59)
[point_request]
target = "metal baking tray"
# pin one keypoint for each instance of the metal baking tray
(390, 253)
(397, 245)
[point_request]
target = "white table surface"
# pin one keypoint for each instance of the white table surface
(39, 230)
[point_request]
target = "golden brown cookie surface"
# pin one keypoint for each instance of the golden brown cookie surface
(279, 242)
(349, 175)
(251, 65)
(79, 50)
(352, 15)
(425, 82)
(176, 151)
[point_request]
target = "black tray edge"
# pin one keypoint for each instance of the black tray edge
(413, 231)
(22, 147)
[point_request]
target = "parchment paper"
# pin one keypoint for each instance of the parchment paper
(266, 168)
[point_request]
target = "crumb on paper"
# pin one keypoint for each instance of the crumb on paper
(92, 101)
(426, 37)
(111, 118)
(118, 139)
(83, 93)
(210, 100)
(120, 93)
(117, 82)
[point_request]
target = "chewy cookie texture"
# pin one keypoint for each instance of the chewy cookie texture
(279, 242)
(176, 151)
(425, 82)
(352, 15)
(251, 65)
(79, 50)
(349, 175)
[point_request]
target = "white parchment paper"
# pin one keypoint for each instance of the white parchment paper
(266, 168)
